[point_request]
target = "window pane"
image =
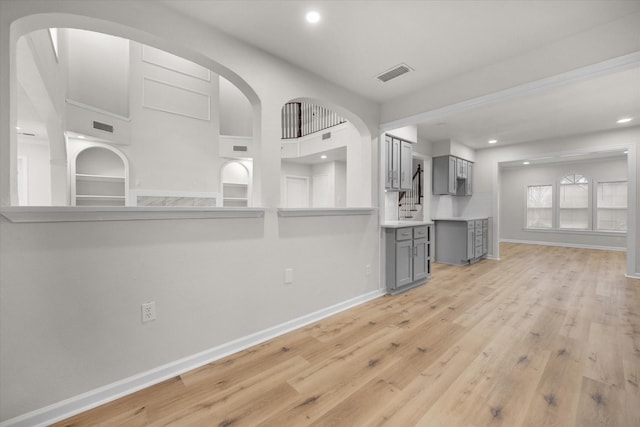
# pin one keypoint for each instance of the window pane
(574, 204)
(539, 206)
(612, 206)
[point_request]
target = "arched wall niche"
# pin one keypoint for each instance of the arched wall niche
(27, 24)
(348, 179)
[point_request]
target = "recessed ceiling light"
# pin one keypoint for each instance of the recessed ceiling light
(81, 136)
(526, 163)
(17, 127)
(624, 120)
(625, 152)
(323, 156)
(313, 17)
(492, 141)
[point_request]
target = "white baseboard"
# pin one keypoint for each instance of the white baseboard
(632, 276)
(566, 245)
(77, 404)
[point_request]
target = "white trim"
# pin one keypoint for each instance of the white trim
(19, 214)
(205, 118)
(99, 396)
(566, 245)
(299, 212)
(632, 276)
(145, 58)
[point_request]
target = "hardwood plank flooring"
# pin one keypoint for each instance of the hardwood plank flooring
(546, 336)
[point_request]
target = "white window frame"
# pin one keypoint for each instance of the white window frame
(595, 204)
(592, 206)
(553, 206)
(589, 203)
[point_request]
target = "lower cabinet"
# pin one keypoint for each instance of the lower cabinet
(461, 241)
(408, 257)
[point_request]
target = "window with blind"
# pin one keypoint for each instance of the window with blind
(540, 206)
(611, 206)
(573, 202)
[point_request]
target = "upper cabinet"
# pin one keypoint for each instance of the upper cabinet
(398, 164)
(453, 176)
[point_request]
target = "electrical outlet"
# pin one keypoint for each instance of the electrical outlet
(367, 269)
(148, 311)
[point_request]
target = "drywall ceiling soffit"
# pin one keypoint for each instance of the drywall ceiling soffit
(578, 107)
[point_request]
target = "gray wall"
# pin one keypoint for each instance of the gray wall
(514, 181)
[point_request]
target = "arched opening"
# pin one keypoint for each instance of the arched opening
(175, 114)
(325, 156)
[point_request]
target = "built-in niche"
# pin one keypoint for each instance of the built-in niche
(98, 174)
(171, 122)
(236, 179)
(322, 158)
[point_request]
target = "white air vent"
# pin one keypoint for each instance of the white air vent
(396, 71)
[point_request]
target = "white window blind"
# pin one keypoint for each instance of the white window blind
(539, 206)
(611, 206)
(574, 202)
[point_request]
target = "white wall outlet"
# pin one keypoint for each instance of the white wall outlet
(288, 276)
(148, 311)
(367, 269)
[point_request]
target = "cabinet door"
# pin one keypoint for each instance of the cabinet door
(388, 162)
(468, 185)
(404, 263)
(406, 165)
(471, 242)
(420, 269)
(461, 168)
(452, 176)
(395, 163)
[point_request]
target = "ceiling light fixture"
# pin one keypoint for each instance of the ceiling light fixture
(493, 141)
(526, 163)
(624, 120)
(323, 156)
(313, 17)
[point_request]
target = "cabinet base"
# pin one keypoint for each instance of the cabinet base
(406, 287)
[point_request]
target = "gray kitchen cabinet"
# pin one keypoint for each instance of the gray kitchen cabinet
(461, 241)
(398, 174)
(452, 176)
(408, 257)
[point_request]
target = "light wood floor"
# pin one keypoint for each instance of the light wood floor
(545, 337)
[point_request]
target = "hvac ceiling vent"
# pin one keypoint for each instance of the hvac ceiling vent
(396, 71)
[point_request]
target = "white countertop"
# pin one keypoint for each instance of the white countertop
(401, 224)
(461, 218)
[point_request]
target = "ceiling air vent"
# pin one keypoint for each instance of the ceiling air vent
(396, 71)
(239, 148)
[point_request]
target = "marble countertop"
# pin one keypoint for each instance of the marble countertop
(401, 224)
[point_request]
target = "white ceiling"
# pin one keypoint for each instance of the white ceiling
(357, 40)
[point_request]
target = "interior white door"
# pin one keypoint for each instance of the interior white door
(321, 194)
(296, 190)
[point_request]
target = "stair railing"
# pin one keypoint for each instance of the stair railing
(408, 200)
(300, 119)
